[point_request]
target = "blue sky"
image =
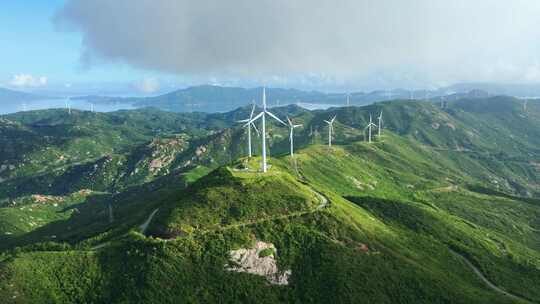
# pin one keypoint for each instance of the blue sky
(127, 47)
(33, 45)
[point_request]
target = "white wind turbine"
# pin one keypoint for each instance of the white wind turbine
(262, 115)
(379, 128)
(291, 134)
(68, 106)
(369, 126)
(248, 125)
(330, 130)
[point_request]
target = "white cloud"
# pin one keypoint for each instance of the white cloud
(388, 41)
(28, 81)
(148, 85)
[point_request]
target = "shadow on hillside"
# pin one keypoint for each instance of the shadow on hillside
(488, 191)
(90, 218)
(408, 214)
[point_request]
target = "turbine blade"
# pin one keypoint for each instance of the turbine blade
(256, 130)
(254, 119)
(243, 120)
(276, 118)
(252, 111)
(326, 121)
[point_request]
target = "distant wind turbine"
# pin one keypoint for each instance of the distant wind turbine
(379, 128)
(248, 125)
(369, 126)
(262, 115)
(348, 100)
(68, 107)
(91, 107)
(291, 134)
(330, 130)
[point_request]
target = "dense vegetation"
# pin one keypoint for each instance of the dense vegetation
(395, 221)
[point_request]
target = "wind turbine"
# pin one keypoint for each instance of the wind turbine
(369, 126)
(91, 107)
(262, 115)
(330, 129)
(68, 107)
(348, 100)
(379, 128)
(291, 134)
(248, 126)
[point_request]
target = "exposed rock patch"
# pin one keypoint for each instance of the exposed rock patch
(362, 186)
(259, 260)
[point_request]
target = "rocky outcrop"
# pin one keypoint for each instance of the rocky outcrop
(259, 260)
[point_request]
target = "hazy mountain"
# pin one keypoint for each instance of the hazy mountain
(11, 96)
(209, 98)
(518, 90)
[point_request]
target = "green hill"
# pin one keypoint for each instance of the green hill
(443, 208)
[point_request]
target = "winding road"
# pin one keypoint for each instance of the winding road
(490, 284)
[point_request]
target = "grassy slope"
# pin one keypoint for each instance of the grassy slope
(408, 261)
(322, 248)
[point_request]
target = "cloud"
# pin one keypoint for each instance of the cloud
(148, 85)
(387, 41)
(28, 81)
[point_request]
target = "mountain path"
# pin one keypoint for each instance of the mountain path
(486, 281)
(323, 204)
(145, 225)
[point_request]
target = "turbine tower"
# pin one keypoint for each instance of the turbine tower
(291, 134)
(379, 128)
(369, 126)
(348, 100)
(68, 107)
(330, 129)
(262, 115)
(248, 125)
